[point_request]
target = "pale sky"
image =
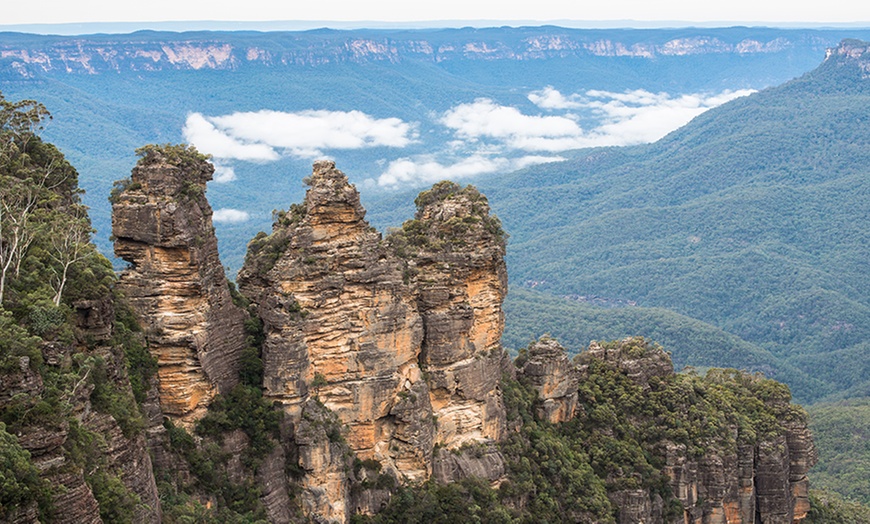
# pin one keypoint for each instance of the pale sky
(15, 12)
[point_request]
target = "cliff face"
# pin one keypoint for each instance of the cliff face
(384, 356)
(399, 339)
(342, 326)
(735, 480)
(95, 54)
(547, 368)
(175, 283)
(56, 446)
(851, 52)
(455, 256)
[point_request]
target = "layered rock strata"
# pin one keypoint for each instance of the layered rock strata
(384, 354)
(175, 282)
(341, 326)
(122, 457)
(454, 255)
(398, 338)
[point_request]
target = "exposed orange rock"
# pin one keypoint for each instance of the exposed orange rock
(341, 325)
(546, 367)
(162, 225)
(456, 252)
(348, 324)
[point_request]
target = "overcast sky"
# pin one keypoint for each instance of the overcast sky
(763, 11)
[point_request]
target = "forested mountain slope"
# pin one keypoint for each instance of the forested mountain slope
(752, 218)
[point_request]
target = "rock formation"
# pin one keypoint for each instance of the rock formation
(341, 327)
(545, 366)
(121, 456)
(735, 482)
(398, 338)
(175, 283)
(455, 256)
(384, 354)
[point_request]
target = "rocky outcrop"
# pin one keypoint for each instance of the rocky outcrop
(853, 52)
(385, 356)
(632, 356)
(342, 329)
(735, 480)
(175, 283)
(545, 366)
(324, 457)
(482, 461)
(341, 325)
(454, 253)
(81, 440)
(398, 338)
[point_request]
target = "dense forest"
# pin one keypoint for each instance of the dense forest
(751, 218)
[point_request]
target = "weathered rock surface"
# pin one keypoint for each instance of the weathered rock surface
(162, 224)
(351, 321)
(459, 277)
(342, 326)
(125, 455)
(385, 356)
(631, 357)
(324, 458)
(479, 460)
(546, 368)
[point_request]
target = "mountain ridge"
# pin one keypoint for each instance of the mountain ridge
(739, 215)
(93, 54)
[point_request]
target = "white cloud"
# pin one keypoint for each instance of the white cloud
(486, 137)
(425, 169)
(628, 118)
(550, 98)
(224, 174)
(208, 139)
(485, 118)
(304, 134)
(641, 116)
(230, 216)
(531, 160)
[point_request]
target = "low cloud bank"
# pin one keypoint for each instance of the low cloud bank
(425, 169)
(265, 135)
(483, 136)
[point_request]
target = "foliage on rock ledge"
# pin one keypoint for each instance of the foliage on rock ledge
(264, 250)
(60, 374)
(564, 472)
(428, 233)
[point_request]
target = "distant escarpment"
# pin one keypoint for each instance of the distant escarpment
(356, 376)
(151, 51)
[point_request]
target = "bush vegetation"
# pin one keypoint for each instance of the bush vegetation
(564, 472)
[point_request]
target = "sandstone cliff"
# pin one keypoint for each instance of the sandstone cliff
(384, 356)
(175, 282)
(398, 338)
(341, 327)
(748, 472)
(546, 367)
(454, 252)
(86, 443)
(100, 54)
